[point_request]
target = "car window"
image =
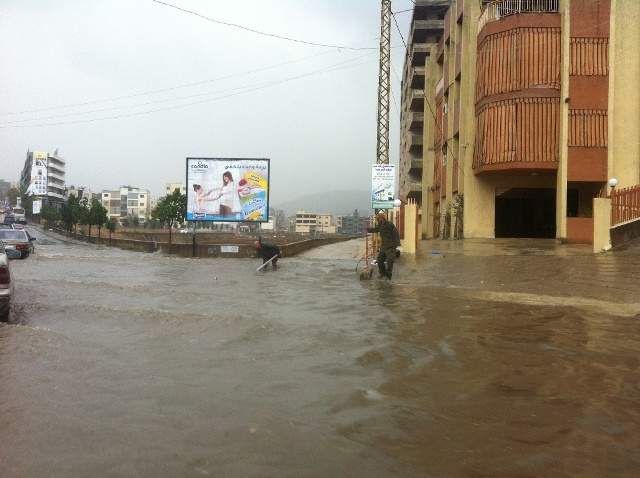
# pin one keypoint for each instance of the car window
(13, 235)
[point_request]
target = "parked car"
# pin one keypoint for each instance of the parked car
(19, 241)
(6, 285)
(9, 219)
(19, 227)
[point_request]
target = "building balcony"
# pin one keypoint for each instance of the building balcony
(419, 53)
(416, 77)
(54, 160)
(414, 144)
(426, 31)
(415, 167)
(415, 101)
(415, 121)
(55, 175)
(505, 8)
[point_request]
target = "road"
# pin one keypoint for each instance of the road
(475, 362)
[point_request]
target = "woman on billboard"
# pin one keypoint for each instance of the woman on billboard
(228, 195)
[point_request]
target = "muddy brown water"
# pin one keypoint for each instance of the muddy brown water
(503, 359)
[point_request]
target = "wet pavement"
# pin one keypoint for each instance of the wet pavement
(481, 359)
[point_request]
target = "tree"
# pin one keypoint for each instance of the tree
(71, 212)
(171, 211)
(111, 226)
(97, 215)
(50, 215)
(12, 196)
(84, 216)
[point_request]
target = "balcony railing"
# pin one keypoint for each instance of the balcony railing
(625, 205)
(499, 9)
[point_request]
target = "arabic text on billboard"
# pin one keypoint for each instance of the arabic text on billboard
(38, 185)
(383, 181)
(227, 190)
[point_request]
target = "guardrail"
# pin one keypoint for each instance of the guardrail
(625, 205)
(497, 10)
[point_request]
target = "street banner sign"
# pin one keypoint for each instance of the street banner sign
(38, 185)
(383, 186)
(228, 189)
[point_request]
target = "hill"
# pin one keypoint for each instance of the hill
(334, 202)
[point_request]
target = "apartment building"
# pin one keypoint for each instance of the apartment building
(43, 176)
(306, 223)
(427, 26)
(530, 108)
(127, 202)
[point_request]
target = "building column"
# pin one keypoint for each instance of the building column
(561, 178)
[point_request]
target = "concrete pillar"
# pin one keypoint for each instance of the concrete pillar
(561, 179)
(601, 224)
(410, 241)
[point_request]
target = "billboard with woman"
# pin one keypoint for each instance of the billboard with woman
(227, 190)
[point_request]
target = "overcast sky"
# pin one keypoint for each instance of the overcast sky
(319, 130)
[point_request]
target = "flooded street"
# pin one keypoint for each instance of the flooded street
(494, 359)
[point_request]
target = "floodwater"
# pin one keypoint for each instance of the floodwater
(496, 359)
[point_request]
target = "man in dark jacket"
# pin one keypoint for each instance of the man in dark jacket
(390, 240)
(267, 252)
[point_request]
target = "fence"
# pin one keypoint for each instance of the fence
(625, 205)
(504, 8)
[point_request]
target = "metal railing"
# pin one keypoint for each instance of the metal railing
(503, 8)
(625, 205)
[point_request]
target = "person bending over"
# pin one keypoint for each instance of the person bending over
(390, 240)
(267, 252)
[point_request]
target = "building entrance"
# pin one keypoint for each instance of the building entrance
(525, 212)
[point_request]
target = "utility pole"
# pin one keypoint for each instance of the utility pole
(384, 84)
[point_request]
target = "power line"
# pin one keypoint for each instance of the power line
(336, 67)
(259, 32)
(171, 88)
(152, 102)
(398, 28)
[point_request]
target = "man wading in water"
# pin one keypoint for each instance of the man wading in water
(390, 241)
(267, 252)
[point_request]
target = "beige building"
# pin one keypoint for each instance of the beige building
(127, 202)
(306, 222)
(529, 108)
(325, 224)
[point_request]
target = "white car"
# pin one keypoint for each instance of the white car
(6, 285)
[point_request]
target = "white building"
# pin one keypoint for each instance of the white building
(127, 202)
(43, 175)
(306, 222)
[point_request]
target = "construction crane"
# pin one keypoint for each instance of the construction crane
(384, 84)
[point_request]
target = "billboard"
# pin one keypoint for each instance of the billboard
(227, 189)
(38, 186)
(383, 186)
(37, 206)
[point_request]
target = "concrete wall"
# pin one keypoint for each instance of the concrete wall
(204, 249)
(624, 93)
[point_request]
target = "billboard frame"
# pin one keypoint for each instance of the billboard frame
(237, 221)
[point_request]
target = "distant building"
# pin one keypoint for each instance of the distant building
(270, 225)
(127, 202)
(43, 176)
(171, 187)
(354, 224)
(306, 223)
(81, 192)
(326, 224)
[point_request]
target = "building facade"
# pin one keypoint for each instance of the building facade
(427, 26)
(43, 176)
(353, 224)
(306, 222)
(127, 202)
(530, 107)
